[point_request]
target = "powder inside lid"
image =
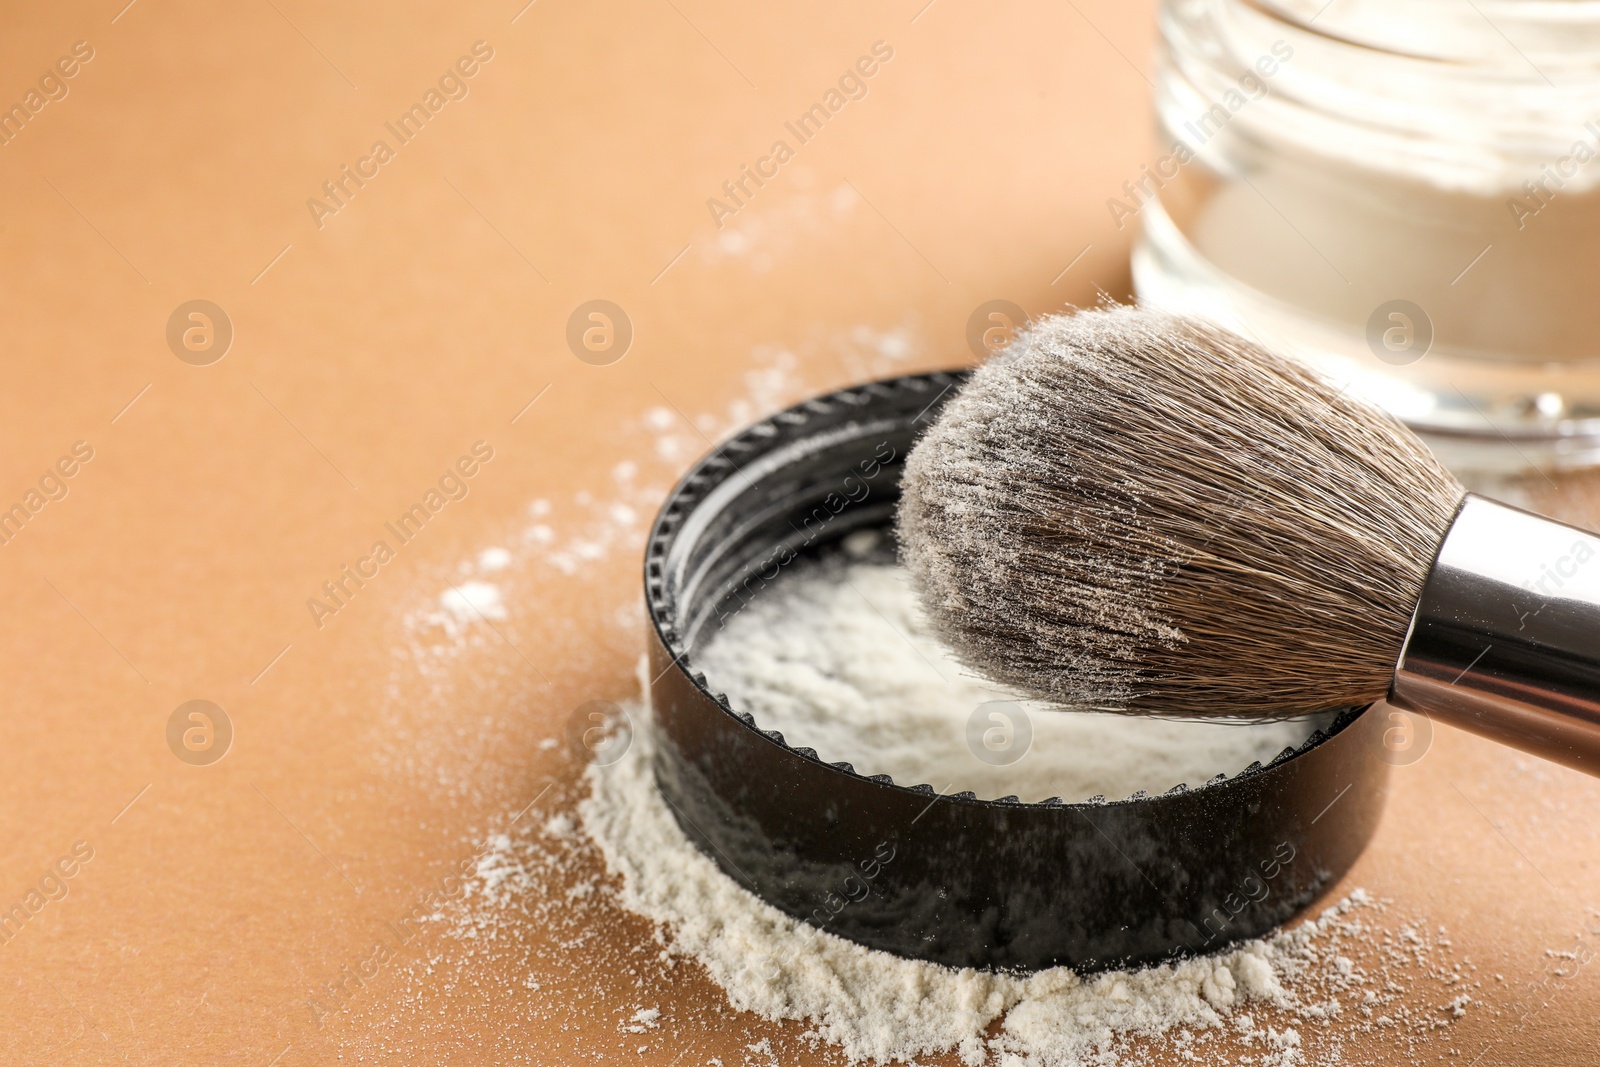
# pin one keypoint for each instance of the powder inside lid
(838, 657)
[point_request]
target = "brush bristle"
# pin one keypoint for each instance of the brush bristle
(1129, 511)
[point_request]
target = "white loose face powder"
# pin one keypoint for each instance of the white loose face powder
(878, 1007)
(836, 655)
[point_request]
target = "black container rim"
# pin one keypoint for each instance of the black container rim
(768, 816)
(686, 490)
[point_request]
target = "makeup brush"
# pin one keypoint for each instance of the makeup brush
(1128, 511)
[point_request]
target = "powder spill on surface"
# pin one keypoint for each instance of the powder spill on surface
(590, 910)
(876, 1006)
(614, 916)
(838, 657)
(494, 559)
(762, 238)
(576, 538)
(473, 600)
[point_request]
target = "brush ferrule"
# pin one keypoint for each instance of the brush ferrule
(1505, 640)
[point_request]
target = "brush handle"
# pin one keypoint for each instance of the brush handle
(1505, 640)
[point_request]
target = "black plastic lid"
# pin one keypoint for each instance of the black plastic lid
(953, 879)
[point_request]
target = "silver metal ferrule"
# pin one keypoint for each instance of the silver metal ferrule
(1505, 640)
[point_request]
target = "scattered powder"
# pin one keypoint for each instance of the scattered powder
(644, 1020)
(767, 232)
(604, 523)
(837, 656)
(777, 378)
(583, 536)
(471, 601)
(494, 559)
(876, 1006)
(544, 931)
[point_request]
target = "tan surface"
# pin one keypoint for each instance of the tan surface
(420, 319)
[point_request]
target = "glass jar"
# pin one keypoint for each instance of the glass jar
(1406, 194)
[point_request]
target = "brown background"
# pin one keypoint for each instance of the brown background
(423, 317)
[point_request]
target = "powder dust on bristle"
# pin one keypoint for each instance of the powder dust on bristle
(1124, 510)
